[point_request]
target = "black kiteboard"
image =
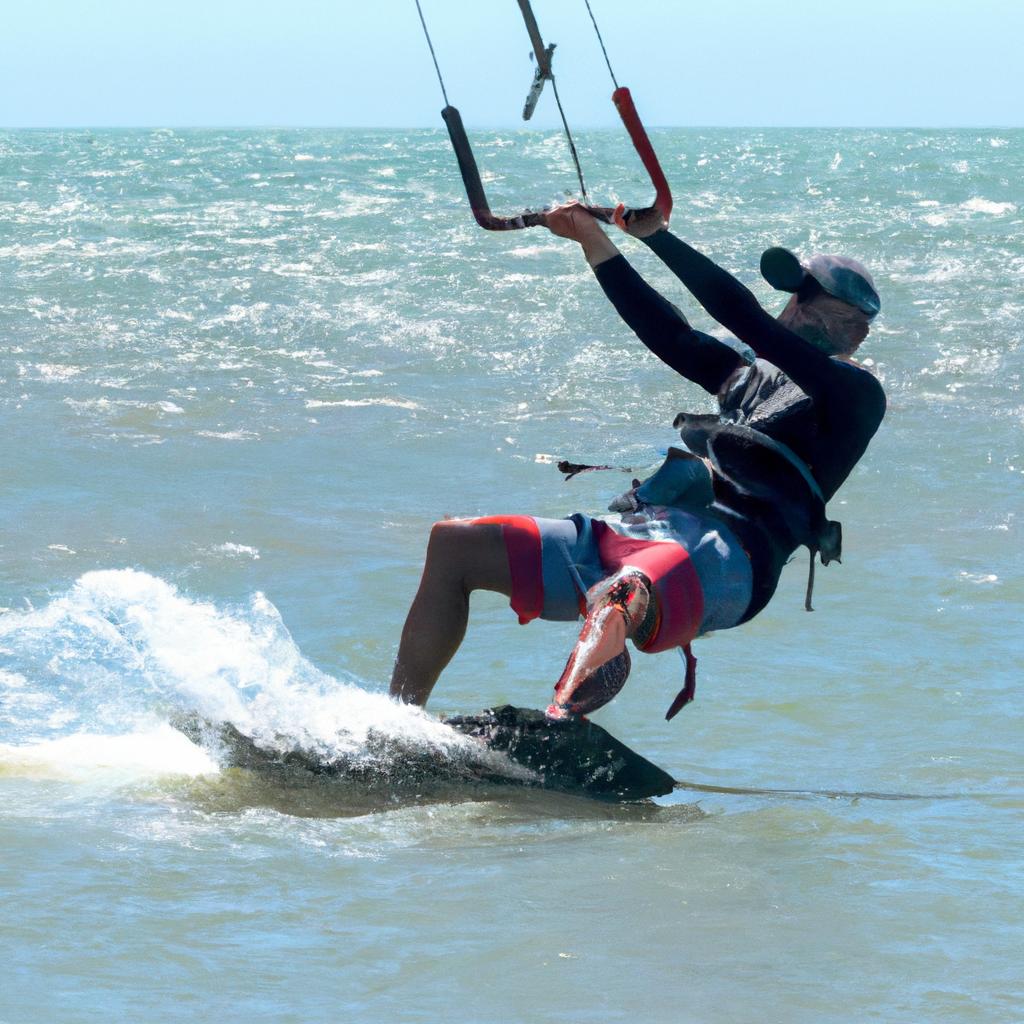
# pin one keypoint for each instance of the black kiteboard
(571, 756)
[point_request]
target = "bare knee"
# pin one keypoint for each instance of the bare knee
(470, 552)
(444, 536)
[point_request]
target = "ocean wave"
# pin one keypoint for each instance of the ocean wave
(229, 435)
(358, 403)
(979, 205)
(129, 410)
(237, 550)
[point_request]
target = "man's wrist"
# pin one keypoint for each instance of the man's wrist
(653, 238)
(598, 248)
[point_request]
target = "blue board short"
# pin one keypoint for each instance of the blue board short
(554, 562)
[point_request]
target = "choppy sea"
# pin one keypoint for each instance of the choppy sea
(242, 372)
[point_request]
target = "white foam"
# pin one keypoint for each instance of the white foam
(353, 403)
(106, 405)
(516, 280)
(979, 577)
(57, 372)
(238, 550)
(530, 250)
(229, 435)
(979, 205)
(264, 241)
(110, 759)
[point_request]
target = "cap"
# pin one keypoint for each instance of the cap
(840, 276)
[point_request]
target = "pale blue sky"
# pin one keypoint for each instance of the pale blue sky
(354, 63)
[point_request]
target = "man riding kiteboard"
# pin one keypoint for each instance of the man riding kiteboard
(700, 545)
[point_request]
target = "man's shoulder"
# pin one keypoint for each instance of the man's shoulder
(868, 387)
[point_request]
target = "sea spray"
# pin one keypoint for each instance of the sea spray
(124, 653)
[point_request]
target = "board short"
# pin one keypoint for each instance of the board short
(698, 569)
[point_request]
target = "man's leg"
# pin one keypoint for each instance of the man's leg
(461, 557)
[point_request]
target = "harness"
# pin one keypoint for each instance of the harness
(760, 471)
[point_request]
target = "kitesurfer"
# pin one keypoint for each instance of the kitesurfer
(699, 545)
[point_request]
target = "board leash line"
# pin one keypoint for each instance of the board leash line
(828, 794)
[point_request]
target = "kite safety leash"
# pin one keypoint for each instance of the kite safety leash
(543, 73)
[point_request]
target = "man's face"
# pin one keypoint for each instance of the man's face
(829, 323)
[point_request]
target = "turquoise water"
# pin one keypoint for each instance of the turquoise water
(241, 372)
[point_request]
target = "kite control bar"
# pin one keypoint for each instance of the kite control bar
(533, 218)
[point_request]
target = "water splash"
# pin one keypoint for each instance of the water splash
(97, 675)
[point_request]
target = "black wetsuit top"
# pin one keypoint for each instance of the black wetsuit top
(824, 409)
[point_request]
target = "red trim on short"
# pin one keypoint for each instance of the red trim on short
(675, 581)
(522, 542)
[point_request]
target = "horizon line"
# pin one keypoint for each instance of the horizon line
(258, 126)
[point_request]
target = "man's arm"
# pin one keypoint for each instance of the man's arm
(664, 330)
(735, 307)
(657, 323)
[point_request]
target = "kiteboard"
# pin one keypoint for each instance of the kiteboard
(573, 756)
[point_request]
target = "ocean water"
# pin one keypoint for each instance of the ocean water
(242, 372)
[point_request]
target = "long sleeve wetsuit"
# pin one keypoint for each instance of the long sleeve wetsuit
(824, 409)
